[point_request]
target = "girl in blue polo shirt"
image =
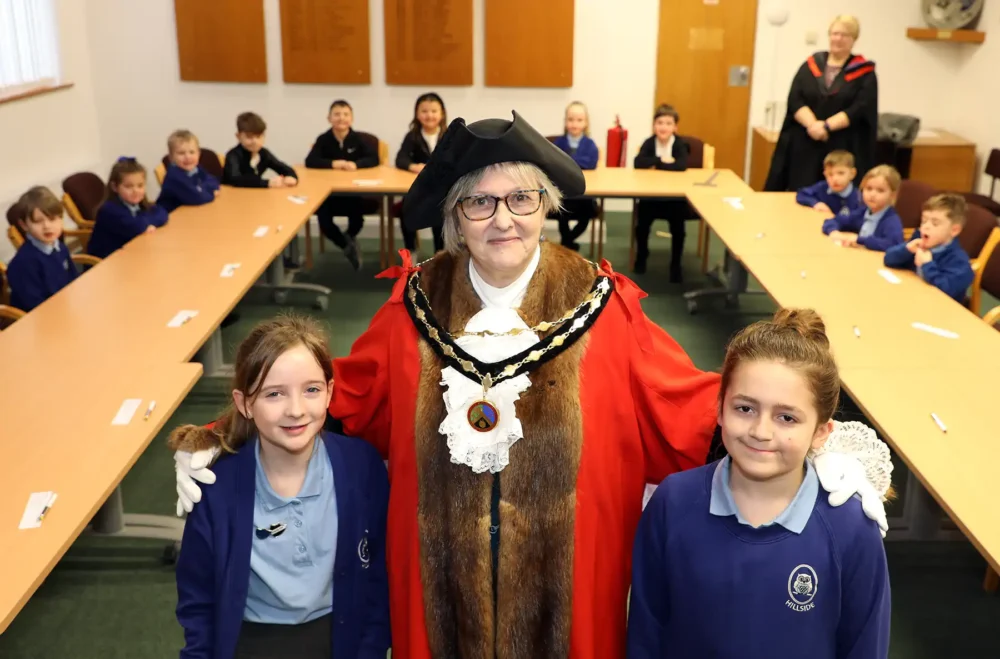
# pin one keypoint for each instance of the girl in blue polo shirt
(286, 554)
(744, 557)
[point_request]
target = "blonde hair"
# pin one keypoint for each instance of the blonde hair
(888, 172)
(839, 158)
(849, 22)
(952, 204)
(586, 116)
(179, 137)
(522, 173)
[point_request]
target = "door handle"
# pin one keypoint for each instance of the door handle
(739, 76)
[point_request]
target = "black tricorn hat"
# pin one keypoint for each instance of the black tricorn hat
(465, 149)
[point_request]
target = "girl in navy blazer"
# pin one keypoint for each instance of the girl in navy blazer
(874, 225)
(126, 212)
(430, 120)
(286, 554)
(576, 142)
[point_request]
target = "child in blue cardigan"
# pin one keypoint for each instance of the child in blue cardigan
(285, 556)
(126, 212)
(42, 267)
(745, 557)
(576, 142)
(874, 225)
(835, 194)
(185, 184)
(933, 251)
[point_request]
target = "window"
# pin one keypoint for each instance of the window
(29, 46)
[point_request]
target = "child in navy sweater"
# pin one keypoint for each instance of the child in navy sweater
(746, 557)
(185, 184)
(285, 556)
(665, 151)
(42, 267)
(576, 142)
(430, 120)
(342, 148)
(126, 212)
(248, 163)
(933, 251)
(836, 194)
(875, 224)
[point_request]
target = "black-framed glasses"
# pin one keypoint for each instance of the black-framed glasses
(481, 207)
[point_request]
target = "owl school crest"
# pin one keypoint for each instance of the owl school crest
(363, 552)
(802, 585)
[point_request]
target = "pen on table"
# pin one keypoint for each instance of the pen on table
(149, 410)
(939, 422)
(186, 319)
(47, 507)
(857, 332)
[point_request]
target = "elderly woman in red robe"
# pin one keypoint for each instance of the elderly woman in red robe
(523, 400)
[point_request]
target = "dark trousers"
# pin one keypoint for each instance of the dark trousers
(310, 640)
(349, 207)
(581, 210)
(676, 212)
(410, 237)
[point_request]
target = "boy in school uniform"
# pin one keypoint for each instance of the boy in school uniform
(185, 184)
(835, 194)
(933, 251)
(342, 148)
(247, 162)
(42, 267)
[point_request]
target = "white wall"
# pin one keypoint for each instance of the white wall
(950, 86)
(46, 137)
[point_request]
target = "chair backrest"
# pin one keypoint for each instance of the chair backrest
(15, 236)
(4, 291)
(209, 160)
(989, 204)
(697, 158)
(86, 190)
(160, 171)
(993, 164)
(990, 281)
(910, 202)
(14, 213)
(373, 143)
(979, 224)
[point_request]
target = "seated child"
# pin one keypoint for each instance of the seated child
(875, 224)
(126, 212)
(342, 148)
(248, 162)
(836, 194)
(430, 121)
(576, 142)
(933, 251)
(746, 556)
(285, 555)
(43, 265)
(667, 151)
(185, 184)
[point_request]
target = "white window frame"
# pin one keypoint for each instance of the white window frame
(29, 46)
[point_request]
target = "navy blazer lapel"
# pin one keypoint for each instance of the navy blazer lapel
(343, 486)
(243, 529)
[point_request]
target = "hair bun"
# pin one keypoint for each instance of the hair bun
(804, 321)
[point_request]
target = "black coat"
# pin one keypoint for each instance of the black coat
(798, 159)
(646, 158)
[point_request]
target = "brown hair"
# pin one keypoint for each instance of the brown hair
(179, 137)
(888, 172)
(254, 359)
(123, 167)
(839, 158)
(796, 338)
(952, 204)
(429, 97)
(39, 198)
(250, 123)
(665, 110)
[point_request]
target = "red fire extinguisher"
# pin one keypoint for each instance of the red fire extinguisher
(617, 144)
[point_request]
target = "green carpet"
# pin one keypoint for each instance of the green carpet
(110, 599)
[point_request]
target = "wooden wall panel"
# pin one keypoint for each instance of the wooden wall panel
(325, 41)
(221, 40)
(529, 43)
(428, 42)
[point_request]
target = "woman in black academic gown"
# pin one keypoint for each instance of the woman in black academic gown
(833, 104)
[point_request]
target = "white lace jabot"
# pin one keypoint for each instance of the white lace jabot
(488, 451)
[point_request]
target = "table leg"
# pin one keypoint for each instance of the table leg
(730, 285)
(111, 520)
(279, 284)
(210, 356)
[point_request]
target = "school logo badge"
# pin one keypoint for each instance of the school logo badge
(845, 211)
(363, 552)
(802, 585)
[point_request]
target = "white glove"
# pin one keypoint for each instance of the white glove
(843, 476)
(191, 467)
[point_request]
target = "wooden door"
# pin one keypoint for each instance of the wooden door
(703, 68)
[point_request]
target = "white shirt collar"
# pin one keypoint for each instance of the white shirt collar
(42, 247)
(510, 296)
(665, 149)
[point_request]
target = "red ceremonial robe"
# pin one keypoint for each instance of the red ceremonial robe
(623, 406)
